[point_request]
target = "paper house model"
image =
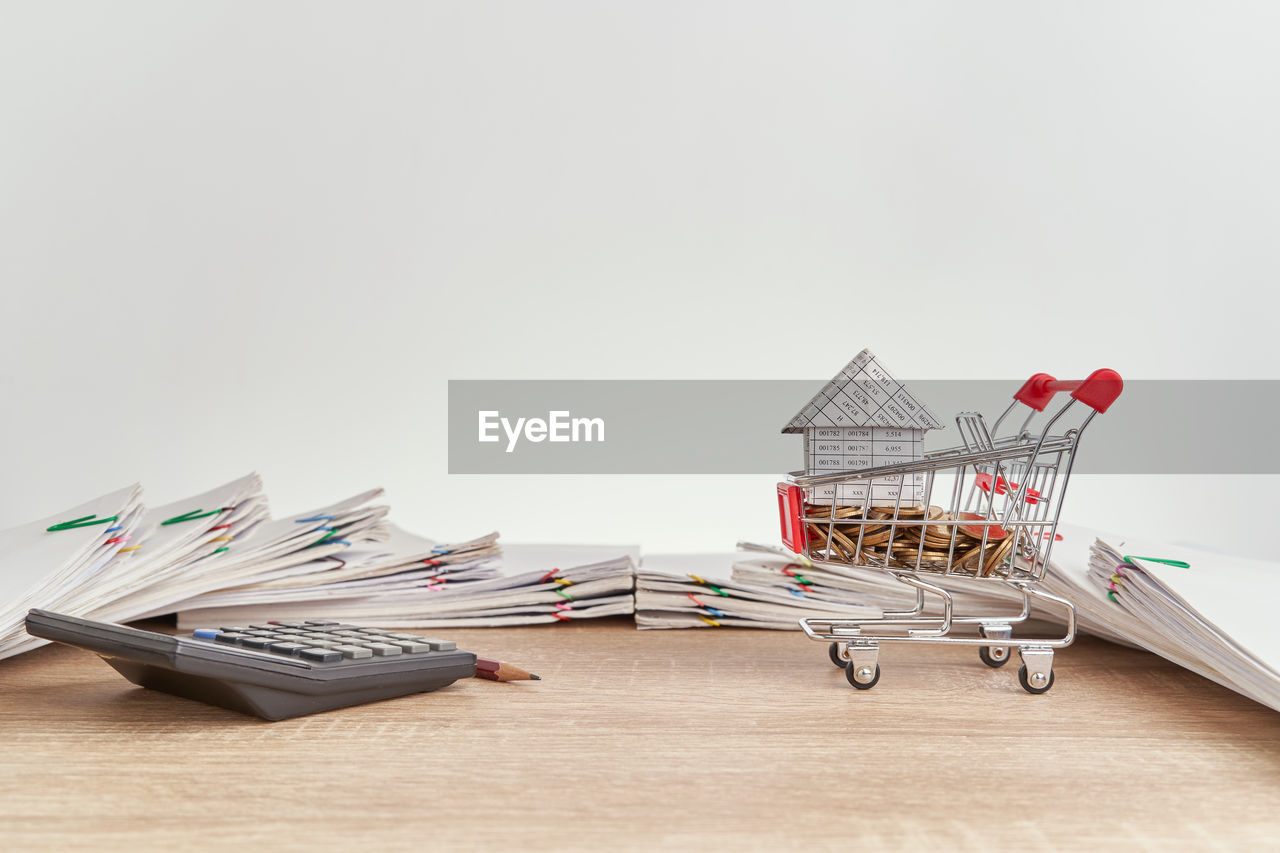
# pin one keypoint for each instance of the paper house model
(864, 418)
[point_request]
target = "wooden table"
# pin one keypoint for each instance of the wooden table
(707, 739)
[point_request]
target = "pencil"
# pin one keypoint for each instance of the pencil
(498, 671)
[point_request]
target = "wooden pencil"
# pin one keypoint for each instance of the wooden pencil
(498, 671)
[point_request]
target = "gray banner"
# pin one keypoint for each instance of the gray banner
(732, 426)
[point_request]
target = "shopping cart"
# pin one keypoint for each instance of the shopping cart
(1004, 495)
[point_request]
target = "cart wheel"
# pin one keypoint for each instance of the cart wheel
(1026, 684)
(834, 651)
(994, 656)
(849, 674)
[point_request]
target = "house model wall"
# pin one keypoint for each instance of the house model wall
(864, 418)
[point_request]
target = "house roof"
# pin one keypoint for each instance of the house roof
(864, 394)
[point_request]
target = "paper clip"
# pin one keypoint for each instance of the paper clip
(563, 594)
(190, 516)
(220, 550)
(1177, 564)
(804, 584)
(83, 521)
(560, 605)
(114, 539)
(798, 593)
(130, 548)
(563, 582)
(710, 586)
(313, 518)
(561, 616)
(713, 623)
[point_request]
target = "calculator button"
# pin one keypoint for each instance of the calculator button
(286, 648)
(321, 655)
(255, 642)
(267, 627)
(320, 623)
(354, 652)
(229, 637)
(371, 631)
(405, 636)
(287, 624)
(322, 644)
(441, 645)
(412, 648)
(234, 629)
(205, 633)
(385, 651)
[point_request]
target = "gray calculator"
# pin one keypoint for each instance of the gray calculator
(276, 669)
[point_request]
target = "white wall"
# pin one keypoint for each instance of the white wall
(263, 235)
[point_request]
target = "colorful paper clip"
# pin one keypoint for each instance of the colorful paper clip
(1177, 564)
(192, 516)
(83, 521)
(710, 586)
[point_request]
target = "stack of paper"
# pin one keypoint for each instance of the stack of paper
(111, 559)
(755, 590)
(1215, 617)
(414, 582)
(47, 562)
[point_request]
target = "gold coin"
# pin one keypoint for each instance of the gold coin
(996, 555)
(888, 512)
(991, 529)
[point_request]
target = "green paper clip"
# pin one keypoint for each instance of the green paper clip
(189, 516)
(563, 594)
(83, 521)
(1177, 564)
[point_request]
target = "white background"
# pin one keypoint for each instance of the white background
(263, 235)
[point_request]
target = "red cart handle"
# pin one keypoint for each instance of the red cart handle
(1098, 391)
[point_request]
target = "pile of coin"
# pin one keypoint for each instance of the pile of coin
(915, 538)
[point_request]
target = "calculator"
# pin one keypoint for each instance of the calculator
(276, 669)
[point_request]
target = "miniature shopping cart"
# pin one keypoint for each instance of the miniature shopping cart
(995, 523)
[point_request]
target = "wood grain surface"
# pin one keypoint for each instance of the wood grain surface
(709, 739)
